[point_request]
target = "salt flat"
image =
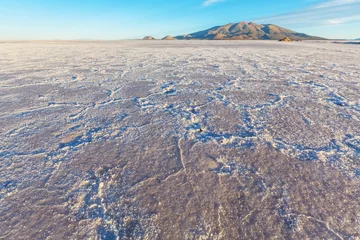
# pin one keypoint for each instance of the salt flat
(179, 140)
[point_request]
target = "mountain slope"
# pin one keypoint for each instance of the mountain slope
(168, 37)
(247, 31)
(148, 38)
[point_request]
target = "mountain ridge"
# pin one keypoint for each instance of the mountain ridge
(149, 38)
(247, 31)
(168, 37)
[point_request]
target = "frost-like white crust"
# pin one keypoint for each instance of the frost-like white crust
(179, 140)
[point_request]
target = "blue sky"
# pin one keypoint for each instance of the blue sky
(128, 19)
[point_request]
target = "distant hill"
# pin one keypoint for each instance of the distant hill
(248, 31)
(169, 38)
(148, 38)
(357, 39)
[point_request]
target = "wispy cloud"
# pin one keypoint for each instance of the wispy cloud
(337, 21)
(211, 2)
(331, 12)
(334, 3)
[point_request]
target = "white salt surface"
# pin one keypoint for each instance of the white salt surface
(179, 140)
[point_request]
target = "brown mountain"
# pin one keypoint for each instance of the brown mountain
(148, 38)
(168, 37)
(248, 31)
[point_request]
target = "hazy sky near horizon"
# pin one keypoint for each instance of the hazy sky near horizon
(124, 19)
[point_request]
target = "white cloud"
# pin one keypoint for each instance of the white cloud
(210, 2)
(337, 21)
(334, 3)
(328, 13)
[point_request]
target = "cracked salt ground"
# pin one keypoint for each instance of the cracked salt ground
(212, 140)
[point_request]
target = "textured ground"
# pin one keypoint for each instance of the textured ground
(179, 140)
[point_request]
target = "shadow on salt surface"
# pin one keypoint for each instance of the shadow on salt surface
(170, 92)
(346, 42)
(338, 100)
(7, 187)
(353, 142)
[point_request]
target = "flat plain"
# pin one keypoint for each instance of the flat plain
(179, 140)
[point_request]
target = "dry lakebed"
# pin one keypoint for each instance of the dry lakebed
(179, 140)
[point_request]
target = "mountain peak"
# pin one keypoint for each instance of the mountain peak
(168, 37)
(148, 38)
(248, 31)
